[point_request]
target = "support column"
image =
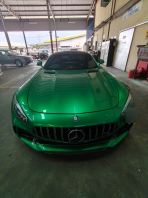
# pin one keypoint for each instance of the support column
(54, 23)
(5, 31)
(56, 38)
(25, 42)
(50, 31)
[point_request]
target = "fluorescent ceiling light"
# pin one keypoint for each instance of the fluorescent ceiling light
(46, 17)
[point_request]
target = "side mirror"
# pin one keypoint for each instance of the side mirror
(100, 61)
(39, 63)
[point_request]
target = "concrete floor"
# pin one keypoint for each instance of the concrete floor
(119, 173)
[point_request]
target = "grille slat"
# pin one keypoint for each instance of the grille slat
(103, 129)
(96, 131)
(89, 133)
(35, 131)
(41, 131)
(54, 134)
(48, 132)
(78, 135)
(62, 135)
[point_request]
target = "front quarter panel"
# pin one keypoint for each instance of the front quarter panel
(123, 90)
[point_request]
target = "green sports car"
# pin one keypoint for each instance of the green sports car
(72, 105)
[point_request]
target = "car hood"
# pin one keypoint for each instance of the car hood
(72, 91)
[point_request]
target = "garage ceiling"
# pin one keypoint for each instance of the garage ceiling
(31, 9)
(32, 15)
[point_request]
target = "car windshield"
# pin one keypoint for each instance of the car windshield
(70, 61)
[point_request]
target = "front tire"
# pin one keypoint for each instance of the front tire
(19, 63)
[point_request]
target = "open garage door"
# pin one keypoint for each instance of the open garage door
(124, 43)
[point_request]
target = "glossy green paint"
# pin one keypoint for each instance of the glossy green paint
(52, 99)
(71, 92)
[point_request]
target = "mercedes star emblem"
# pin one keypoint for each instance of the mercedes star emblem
(75, 118)
(76, 136)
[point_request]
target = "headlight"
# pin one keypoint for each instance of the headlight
(128, 102)
(19, 111)
(128, 111)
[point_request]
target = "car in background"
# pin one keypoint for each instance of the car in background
(10, 57)
(1, 71)
(72, 105)
(43, 54)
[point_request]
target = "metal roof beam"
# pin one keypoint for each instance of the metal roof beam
(2, 2)
(37, 24)
(51, 11)
(50, 30)
(54, 22)
(91, 8)
(5, 31)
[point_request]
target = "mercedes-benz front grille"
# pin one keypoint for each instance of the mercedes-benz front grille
(75, 136)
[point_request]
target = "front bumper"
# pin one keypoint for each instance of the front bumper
(25, 132)
(67, 150)
(39, 145)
